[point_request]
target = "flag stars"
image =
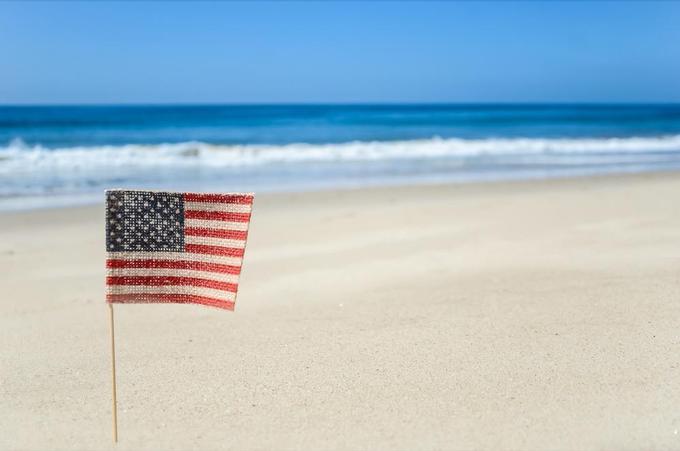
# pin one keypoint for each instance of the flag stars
(149, 221)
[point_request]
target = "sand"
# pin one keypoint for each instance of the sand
(532, 315)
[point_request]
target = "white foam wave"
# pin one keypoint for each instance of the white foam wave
(17, 156)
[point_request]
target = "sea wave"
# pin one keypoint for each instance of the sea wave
(17, 156)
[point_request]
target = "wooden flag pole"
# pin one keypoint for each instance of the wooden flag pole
(113, 376)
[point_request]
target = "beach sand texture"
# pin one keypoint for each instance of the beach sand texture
(532, 315)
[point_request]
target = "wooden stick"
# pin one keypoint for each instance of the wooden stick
(113, 376)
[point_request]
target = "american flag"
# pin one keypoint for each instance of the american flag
(175, 247)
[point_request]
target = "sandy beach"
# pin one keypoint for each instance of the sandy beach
(524, 315)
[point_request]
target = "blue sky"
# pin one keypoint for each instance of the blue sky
(339, 52)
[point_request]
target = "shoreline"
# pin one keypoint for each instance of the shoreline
(460, 316)
(37, 203)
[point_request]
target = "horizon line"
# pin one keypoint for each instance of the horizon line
(388, 103)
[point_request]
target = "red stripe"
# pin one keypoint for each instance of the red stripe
(217, 215)
(168, 298)
(213, 250)
(174, 264)
(216, 233)
(156, 281)
(219, 198)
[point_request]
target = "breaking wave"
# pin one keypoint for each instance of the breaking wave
(17, 156)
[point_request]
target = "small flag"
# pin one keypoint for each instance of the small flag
(175, 247)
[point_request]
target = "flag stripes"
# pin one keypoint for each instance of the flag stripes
(219, 198)
(233, 261)
(214, 250)
(169, 298)
(216, 225)
(206, 270)
(139, 291)
(159, 281)
(211, 206)
(217, 215)
(174, 264)
(169, 272)
(215, 233)
(208, 240)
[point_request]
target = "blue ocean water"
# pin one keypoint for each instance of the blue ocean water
(71, 153)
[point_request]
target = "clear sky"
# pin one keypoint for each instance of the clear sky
(157, 52)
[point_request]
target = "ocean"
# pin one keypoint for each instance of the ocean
(56, 155)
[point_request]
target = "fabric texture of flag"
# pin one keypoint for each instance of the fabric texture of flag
(175, 247)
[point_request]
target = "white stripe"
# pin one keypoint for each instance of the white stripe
(221, 259)
(210, 224)
(171, 289)
(209, 241)
(170, 272)
(213, 206)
